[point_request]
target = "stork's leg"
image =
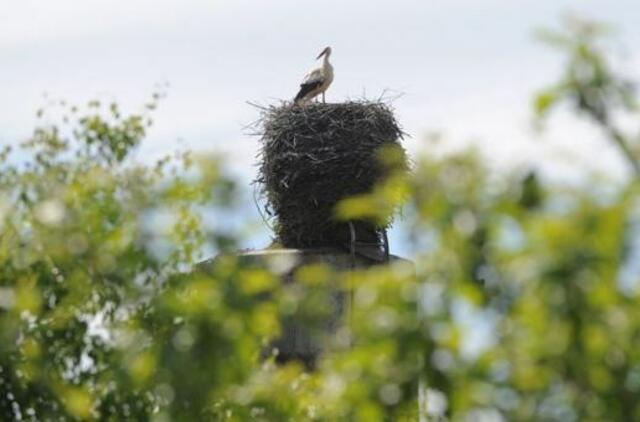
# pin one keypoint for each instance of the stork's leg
(323, 102)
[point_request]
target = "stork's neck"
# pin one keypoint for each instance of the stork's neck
(325, 60)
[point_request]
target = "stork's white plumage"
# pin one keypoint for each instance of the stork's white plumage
(317, 81)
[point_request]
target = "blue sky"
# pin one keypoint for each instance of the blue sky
(466, 68)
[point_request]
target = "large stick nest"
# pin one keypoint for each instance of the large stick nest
(316, 155)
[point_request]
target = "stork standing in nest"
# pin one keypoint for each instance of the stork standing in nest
(317, 81)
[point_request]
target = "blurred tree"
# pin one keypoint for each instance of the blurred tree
(88, 240)
(591, 84)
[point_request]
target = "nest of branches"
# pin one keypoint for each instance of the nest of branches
(314, 156)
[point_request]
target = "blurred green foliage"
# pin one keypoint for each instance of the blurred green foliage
(522, 303)
(592, 84)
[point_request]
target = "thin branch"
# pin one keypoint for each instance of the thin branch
(618, 138)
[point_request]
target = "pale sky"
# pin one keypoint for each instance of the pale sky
(467, 68)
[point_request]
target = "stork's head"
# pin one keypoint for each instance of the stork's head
(325, 52)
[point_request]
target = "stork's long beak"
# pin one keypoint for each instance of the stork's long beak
(323, 53)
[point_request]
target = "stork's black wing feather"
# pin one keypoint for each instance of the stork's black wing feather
(307, 87)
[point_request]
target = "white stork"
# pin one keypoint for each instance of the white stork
(317, 81)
